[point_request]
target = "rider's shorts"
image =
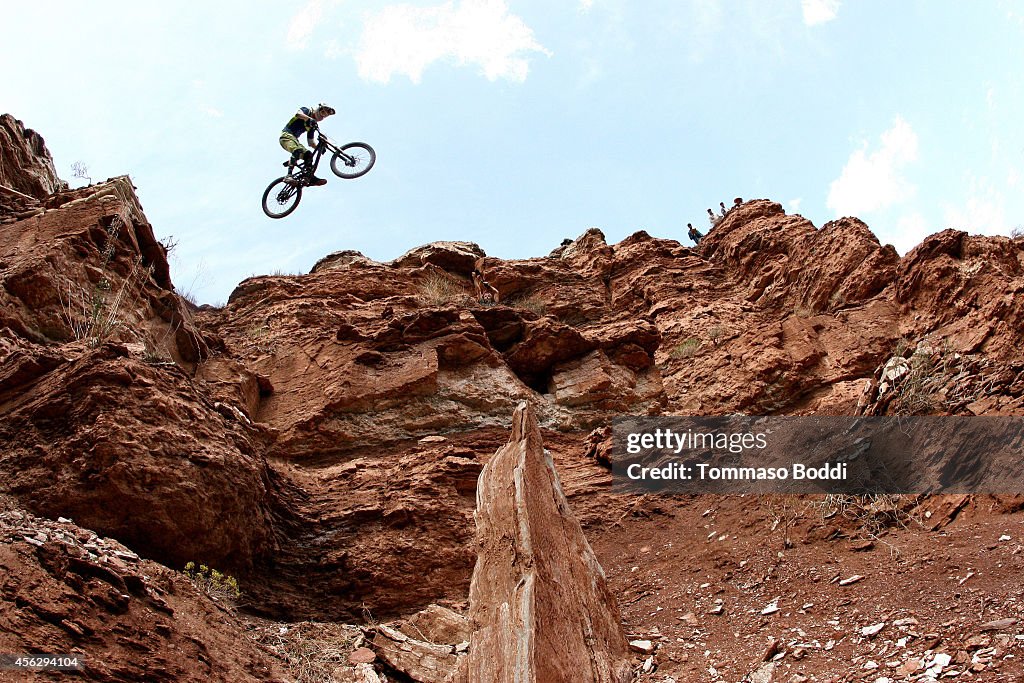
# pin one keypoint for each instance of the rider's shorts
(290, 143)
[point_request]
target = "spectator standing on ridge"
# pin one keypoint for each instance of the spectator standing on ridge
(693, 233)
(305, 120)
(713, 218)
(722, 206)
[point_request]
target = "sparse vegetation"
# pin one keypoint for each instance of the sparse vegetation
(257, 338)
(80, 170)
(926, 380)
(871, 513)
(312, 651)
(437, 289)
(530, 302)
(1017, 233)
(157, 349)
(837, 300)
(784, 514)
(220, 587)
(97, 315)
(687, 349)
(716, 333)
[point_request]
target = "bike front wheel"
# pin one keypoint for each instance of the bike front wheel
(281, 197)
(353, 160)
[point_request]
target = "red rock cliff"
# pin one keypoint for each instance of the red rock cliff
(321, 435)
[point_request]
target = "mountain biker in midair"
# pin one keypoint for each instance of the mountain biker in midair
(305, 119)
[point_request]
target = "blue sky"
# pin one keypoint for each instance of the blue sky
(516, 123)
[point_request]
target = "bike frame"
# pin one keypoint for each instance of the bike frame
(301, 174)
(323, 144)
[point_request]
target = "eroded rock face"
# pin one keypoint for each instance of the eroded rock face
(135, 452)
(453, 257)
(89, 266)
(100, 418)
(25, 163)
(65, 589)
(327, 429)
(539, 602)
(785, 260)
(966, 289)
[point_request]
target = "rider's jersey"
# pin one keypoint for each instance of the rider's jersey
(297, 126)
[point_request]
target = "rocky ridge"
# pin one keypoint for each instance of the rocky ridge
(321, 436)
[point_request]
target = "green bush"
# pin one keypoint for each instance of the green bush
(218, 586)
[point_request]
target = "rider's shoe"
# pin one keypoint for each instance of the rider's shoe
(317, 181)
(292, 180)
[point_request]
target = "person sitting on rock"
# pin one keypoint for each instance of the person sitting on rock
(713, 218)
(694, 234)
(485, 292)
(305, 120)
(721, 205)
(736, 202)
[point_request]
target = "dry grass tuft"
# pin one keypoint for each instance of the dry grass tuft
(437, 289)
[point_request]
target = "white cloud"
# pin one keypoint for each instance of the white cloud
(405, 40)
(303, 24)
(793, 205)
(585, 5)
(911, 229)
(983, 212)
(819, 11)
(873, 181)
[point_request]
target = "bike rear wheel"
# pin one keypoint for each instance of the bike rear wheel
(354, 160)
(281, 198)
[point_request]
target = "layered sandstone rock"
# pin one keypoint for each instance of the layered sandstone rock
(135, 451)
(539, 602)
(25, 164)
(966, 289)
(100, 417)
(88, 266)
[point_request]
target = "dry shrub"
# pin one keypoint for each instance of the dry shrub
(871, 513)
(531, 303)
(311, 651)
(688, 349)
(437, 289)
(98, 315)
(933, 381)
(715, 334)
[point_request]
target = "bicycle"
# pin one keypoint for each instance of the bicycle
(348, 161)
